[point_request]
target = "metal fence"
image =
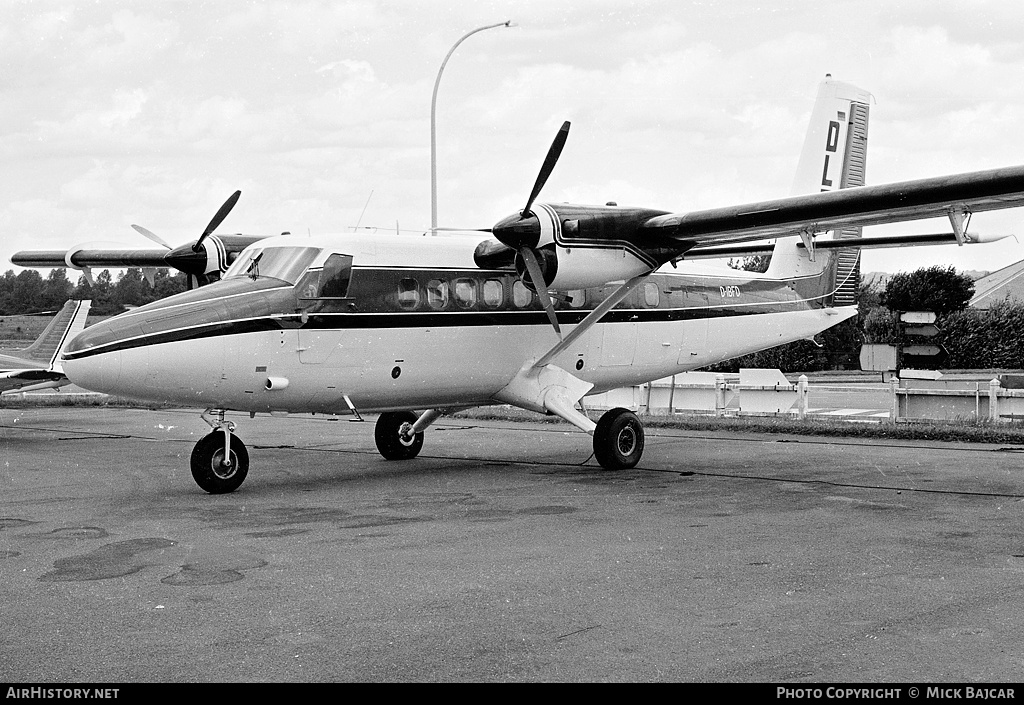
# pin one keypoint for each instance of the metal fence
(769, 393)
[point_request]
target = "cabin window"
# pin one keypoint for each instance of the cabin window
(335, 278)
(437, 293)
(577, 297)
(652, 296)
(408, 294)
(522, 296)
(465, 293)
(494, 293)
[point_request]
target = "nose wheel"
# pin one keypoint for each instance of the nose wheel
(220, 462)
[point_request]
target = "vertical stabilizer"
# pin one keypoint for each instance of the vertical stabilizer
(68, 323)
(834, 156)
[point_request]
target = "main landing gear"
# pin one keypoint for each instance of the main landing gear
(618, 438)
(395, 437)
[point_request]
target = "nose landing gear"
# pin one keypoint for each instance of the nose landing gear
(219, 461)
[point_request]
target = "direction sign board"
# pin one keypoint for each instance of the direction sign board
(922, 350)
(917, 317)
(927, 330)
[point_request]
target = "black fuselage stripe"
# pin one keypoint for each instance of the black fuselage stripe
(439, 320)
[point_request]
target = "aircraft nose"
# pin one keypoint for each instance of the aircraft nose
(97, 373)
(90, 361)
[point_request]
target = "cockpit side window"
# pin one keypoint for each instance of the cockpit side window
(335, 278)
(284, 263)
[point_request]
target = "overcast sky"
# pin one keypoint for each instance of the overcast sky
(113, 113)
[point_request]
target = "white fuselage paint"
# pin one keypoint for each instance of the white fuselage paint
(383, 368)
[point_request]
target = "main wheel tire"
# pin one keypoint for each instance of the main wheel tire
(208, 468)
(618, 440)
(391, 443)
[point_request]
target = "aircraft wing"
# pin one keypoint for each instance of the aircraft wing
(23, 379)
(951, 196)
(90, 258)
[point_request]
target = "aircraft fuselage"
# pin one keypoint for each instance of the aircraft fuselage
(416, 334)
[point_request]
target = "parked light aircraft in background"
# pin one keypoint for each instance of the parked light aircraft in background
(553, 303)
(38, 366)
(202, 261)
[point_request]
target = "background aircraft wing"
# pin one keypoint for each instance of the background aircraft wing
(25, 379)
(830, 210)
(118, 259)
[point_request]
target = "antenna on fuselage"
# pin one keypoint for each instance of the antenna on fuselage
(364, 210)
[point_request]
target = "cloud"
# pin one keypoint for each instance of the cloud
(118, 112)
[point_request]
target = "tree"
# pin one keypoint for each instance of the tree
(28, 292)
(56, 289)
(754, 263)
(131, 289)
(939, 289)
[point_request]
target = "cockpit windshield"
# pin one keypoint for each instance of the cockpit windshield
(284, 263)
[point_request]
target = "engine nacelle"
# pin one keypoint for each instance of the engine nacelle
(568, 268)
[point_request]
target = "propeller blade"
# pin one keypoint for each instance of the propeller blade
(217, 219)
(549, 164)
(151, 235)
(537, 277)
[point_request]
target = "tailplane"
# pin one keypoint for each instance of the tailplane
(834, 156)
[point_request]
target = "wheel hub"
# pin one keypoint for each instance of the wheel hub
(222, 468)
(405, 435)
(626, 441)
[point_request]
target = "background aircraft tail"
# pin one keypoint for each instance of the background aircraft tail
(68, 323)
(834, 156)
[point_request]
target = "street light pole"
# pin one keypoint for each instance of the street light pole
(433, 122)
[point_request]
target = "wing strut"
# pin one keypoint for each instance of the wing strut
(592, 318)
(959, 219)
(807, 236)
(544, 387)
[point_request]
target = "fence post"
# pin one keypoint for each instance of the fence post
(993, 401)
(719, 395)
(894, 407)
(801, 397)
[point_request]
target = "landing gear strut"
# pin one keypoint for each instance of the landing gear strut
(394, 437)
(618, 439)
(220, 461)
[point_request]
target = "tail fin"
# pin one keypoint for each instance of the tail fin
(68, 323)
(834, 156)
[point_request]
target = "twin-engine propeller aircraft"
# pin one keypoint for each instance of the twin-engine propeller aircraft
(38, 366)
(559, 302)
(202, 261)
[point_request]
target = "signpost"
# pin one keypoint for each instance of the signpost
(913, 354)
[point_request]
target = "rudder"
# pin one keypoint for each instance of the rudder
(834, 155)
